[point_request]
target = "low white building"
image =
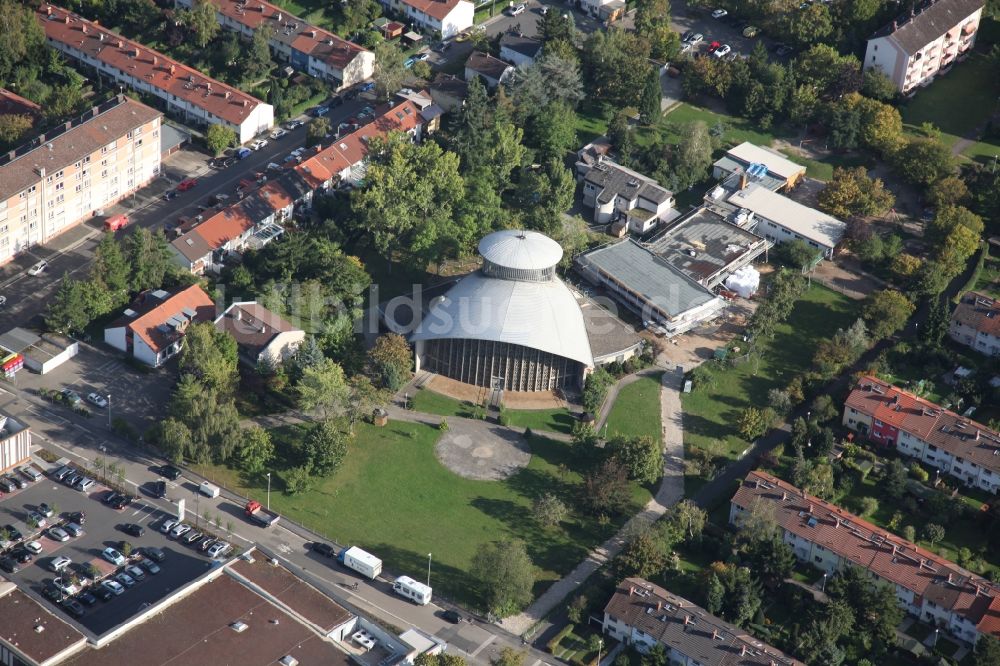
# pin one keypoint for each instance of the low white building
(492, 71)
(443, 18)
(617, 193)
(781, 219)
(262, 337)
(151, 330)
(519, 50)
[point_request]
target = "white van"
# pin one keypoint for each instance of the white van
(416, 592)
(208, 489)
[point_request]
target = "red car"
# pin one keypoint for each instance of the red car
(186, 185)
(711, 49)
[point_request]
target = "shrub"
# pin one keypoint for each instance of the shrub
(443, 426)
(554, 643)
(918, 472)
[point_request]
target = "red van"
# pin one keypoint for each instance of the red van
(116, 222)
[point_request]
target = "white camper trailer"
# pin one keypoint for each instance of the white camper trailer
(416, 592)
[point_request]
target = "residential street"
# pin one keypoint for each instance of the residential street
(70, 253)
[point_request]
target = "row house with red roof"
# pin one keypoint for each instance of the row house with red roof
(952, 443)
(975, 323)
(307, 47)
(442, 18)
(927, 586)
(186, 93)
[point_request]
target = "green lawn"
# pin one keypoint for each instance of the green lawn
(556, 420)
(426, 400)
(637, 410)
(989, 277)
(958, 103)
(712, 414)
(393, 497)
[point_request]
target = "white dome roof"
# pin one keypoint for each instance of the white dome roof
(524, 250)
(539, 315)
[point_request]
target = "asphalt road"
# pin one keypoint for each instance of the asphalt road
(71, 253)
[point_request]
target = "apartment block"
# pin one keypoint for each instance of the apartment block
(15, 443)
(307, 47)
(927, 586)
(954, 444)
(442, 18)
(975, 323)
(642, 614)
(924, 42)
(71, 172)
(186, 93)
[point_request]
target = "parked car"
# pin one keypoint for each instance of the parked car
(191, 538)
(243, 153)
(45, 510)
(293, 124)
(149, 565)
(86, 598)
(59, 563)
(83, 484)
(97, 399)
(113, 556)
(9, 564)
(135, 572)
(58, 534)
(219, 549)
(114, 587)
(110, 497)
(324, 549)
(13, 533)
(38, 519)
(278, 133)
(451, 616)
(169, 194)
(72, 397)
(258, 144)
(103, 593)
(121, 502)
(750, 31)
(169, 472)
(168, 524)
(38, 268)
(72, 479)
(29, 472)
(514, 10)
(79, 517)
(65, 586)
(154, 553)
(695, 38)
(722, 51)
(17, 481)
(34, 546)
(720, 13)
(713, 46)
(133, 529)
(186, 184)
(73, 529)
(116, 222)
(22, 555)
(159, 489)
(179, 530)
(73, 607)
(408, 63)
(125, 579)
(205, 544)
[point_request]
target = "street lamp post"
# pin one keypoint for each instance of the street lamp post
(109, 411)
(428, 569)
(823, 586)
(600, 646)
(268, 491)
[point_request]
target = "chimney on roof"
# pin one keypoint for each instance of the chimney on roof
(715, 634)
(120, 43)
(978, 433)
(137, 52)
(83, 28)
(100, 36)
(895, 549)
(743, 651)
(277, 15)
(66, 19)
(48, 10)
(239, 314)
(950, 579)
(687, 620)
(784, 495)
(659, 605)
(227, 94)
(810, 508)
(155, 60)
(631, 590)
(895, 25)
(743, 180)
(246, 103)
(173, 68)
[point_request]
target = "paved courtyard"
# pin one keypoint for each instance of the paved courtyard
(482, 451)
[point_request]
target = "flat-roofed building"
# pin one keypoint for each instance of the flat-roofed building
(185, 92)
(307, 47)
(782, 173)
(650, 286)
(66, 175)
(924, 42)
(15, 443)
(442, 18)
(780, 219)
(642, 614)
(31, 634)
(706, 247)
(619, 194)
(927, 586)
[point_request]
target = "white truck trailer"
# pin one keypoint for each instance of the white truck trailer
(364, 563)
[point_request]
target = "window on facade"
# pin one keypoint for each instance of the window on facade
(59, 186)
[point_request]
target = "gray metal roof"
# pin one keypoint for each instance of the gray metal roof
(616, 180)
(526, 46)
(522, 250)
(539, 315)
(649, 276)
(929, 23)
(18, 339)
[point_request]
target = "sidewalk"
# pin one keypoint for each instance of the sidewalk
(670, 492)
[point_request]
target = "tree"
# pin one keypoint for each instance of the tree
(21, 38)
(644, 556)
(822, 66)
(322, 388)
(308, 355)
(881, 125)
(758, 521)
(391, 360)
(364, 399)
(553, 131)
(549, 510)
(690, 517)
(691, 159)
(936, 326)
(949, 191)
(325, 447)
(13, 127)
(110, 271)
(212, 420)
(779, 400)
(508, 656)
(905, 265)
(552, 78)
(852, 192)
(606, 489)
(771, 559)
(149, 258)
(641, 456)
(949, 218)
(389, 70)
(894, 483)
(922, 161)
(67, 312)
(752, 423)
(201, 22)
(174, 439)
(987, 652)
(211, 356)
(544, 195)
(820, 481)
(809, 26)
(256, 449)
(617, 64)
(933, 533)
(715, 595)
(317, 130)
(886, 312)
(876, 85)
(652, 23)
(650, 103)
(505, 574)
(257, 63)
(219, 137)
(409, 203)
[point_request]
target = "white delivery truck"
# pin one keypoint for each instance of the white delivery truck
(208, 489)
(416, 592)
(364, 563)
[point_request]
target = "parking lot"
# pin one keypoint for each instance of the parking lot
(102, 528)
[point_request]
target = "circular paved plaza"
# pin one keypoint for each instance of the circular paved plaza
(484, 453)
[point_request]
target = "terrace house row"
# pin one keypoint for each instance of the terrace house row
(927, 586)
(975, 323)
(187, 93)
(441, 18)
(66, 175)
(918, 428)
(308, 48)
